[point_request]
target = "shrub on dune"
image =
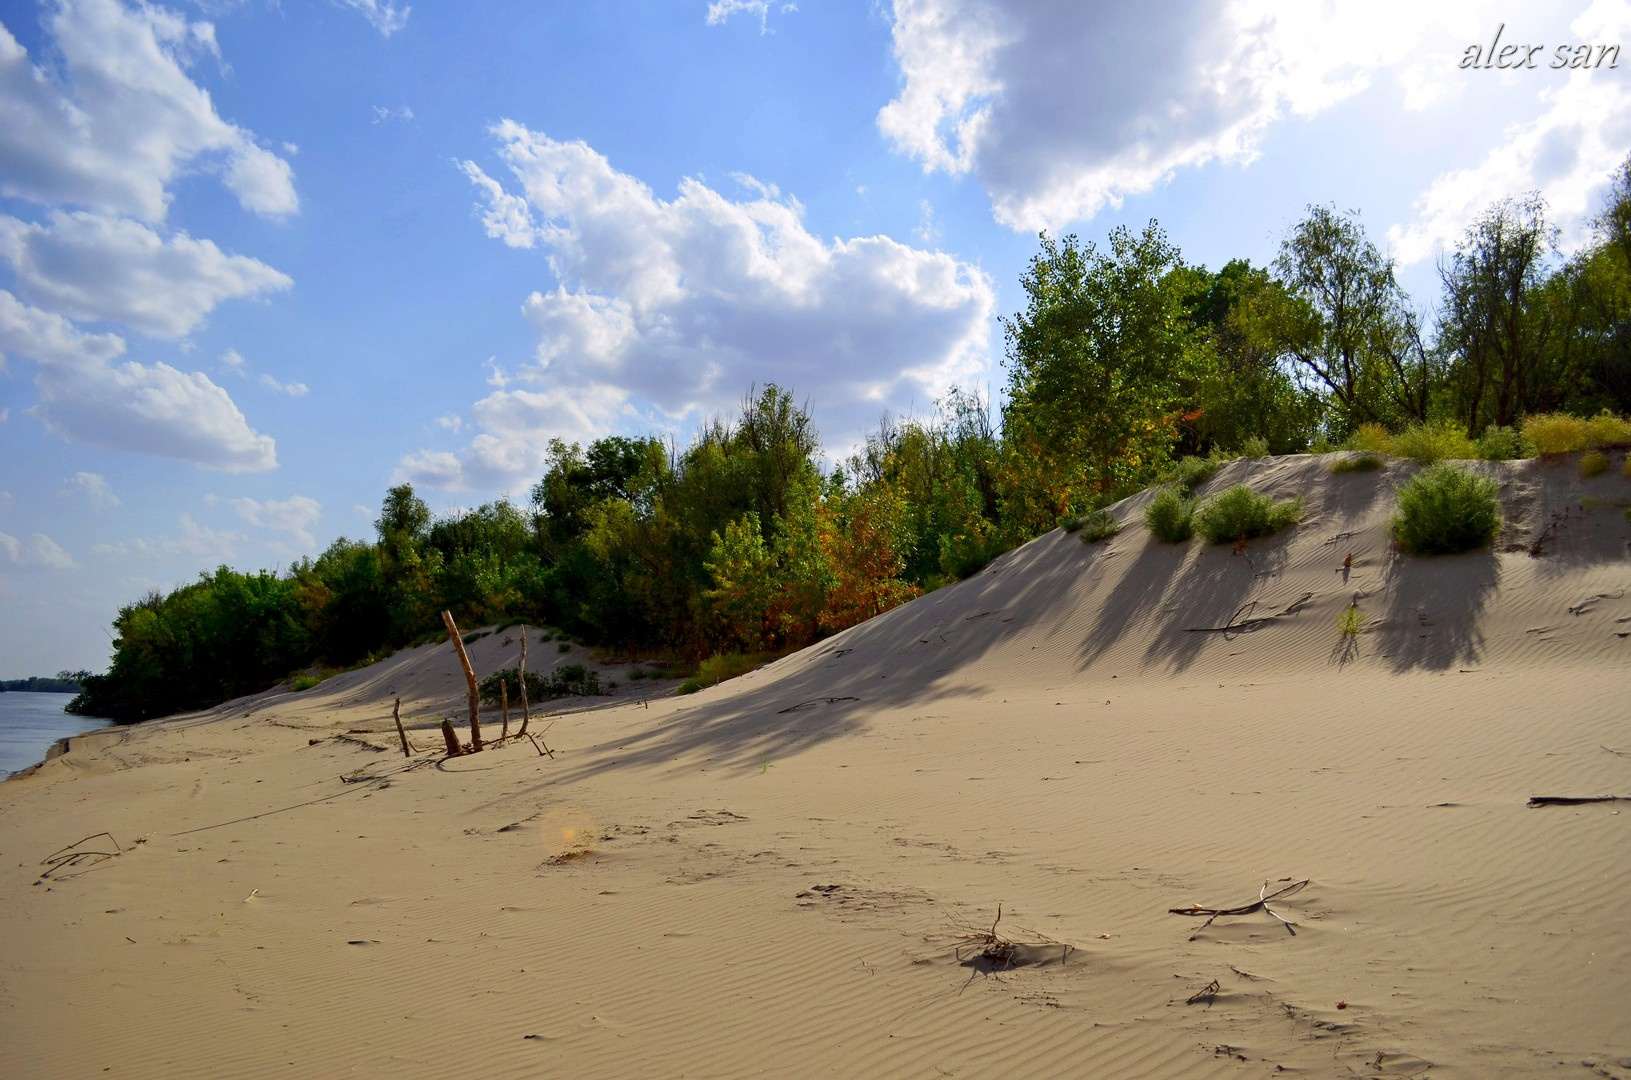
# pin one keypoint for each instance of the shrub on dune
(1444, 510)
(1170, 516)
(1242, 514)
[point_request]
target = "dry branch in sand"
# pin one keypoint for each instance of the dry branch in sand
(1574, 800)
(470, 678)
(521, 674)
(71, 854)
(396, 714)
(1238, 625)
(998, 951)
(1262, 904)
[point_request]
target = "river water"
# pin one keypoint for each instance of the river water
(30, 723)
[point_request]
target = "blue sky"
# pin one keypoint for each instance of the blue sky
(261, 259)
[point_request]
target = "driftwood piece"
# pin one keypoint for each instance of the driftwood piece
(521, 674)
(504, 709)
(396, 714)
(1238, 625)
(821, 701)
(1574, 800)
(1262, 904)
(470, 678)
(452, 739)
(64, 857)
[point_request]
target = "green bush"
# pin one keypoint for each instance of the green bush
(1357, 463)
(1099, 525)
(1560, 433)
(1255, 447)
(573, 680)
(1428, 443)
(1241, 514)
(1445, 509)
(1370, 438)
(1170, 516)
(1191, 472)
(716, 669)
(1500, 444)
(1594, 463)
(308, 679)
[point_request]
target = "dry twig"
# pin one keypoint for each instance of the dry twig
(1574, 800)
(1262, 904)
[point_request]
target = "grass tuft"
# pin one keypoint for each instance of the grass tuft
(1428, 443)
(1500, 444)
(1593, 463)
(1445, 509)
(1361, 462)
(719, 667)
(1096, 526)
(1351, 621)
(1170, 516)
(1242, 514)
(1560, 433)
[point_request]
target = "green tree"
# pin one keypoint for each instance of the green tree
(1349, 330)
(1496, 321)
(1096, 367)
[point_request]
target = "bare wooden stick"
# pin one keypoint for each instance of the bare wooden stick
(470, 678)
(1574, 800)
(521, 674)
(504, 706)
(396, 714)
(542, 750)
(452, 739)
(1262, 904)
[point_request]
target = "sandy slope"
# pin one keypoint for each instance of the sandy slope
(785, 866)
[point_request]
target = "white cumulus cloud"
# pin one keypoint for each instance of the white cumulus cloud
(122, 118)
(150, 409)
(682, 304)
(94, 268)
(1061, 110)
(39, 552)
(294, 516)
(48, 338)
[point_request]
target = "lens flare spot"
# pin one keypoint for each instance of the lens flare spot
(567, 832)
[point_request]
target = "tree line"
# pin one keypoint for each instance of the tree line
(1123, 360)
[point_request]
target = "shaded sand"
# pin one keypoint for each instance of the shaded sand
(789, 872)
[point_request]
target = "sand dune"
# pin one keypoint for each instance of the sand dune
(788, 874)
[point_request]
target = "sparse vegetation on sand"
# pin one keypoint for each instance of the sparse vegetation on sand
(1560, 433)
(1362, 462)
(1351, 621)
(1593, 463)
(1170, 516)
(1093, 527)
(1242, 514)
(719, 667)
(572, 680)
(1445, 509)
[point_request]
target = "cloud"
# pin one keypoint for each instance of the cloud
(50, 339)
(1566, 152)
(295, 516)
(721, 10)
(382, 15)
(506, 217)
(680, 305)
(155, 410)
(94, 487)
(195, 541)
(293, 389)
(122, 119)
(39, 553)
(383, 113)
(1061, 110)
(102, 269)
